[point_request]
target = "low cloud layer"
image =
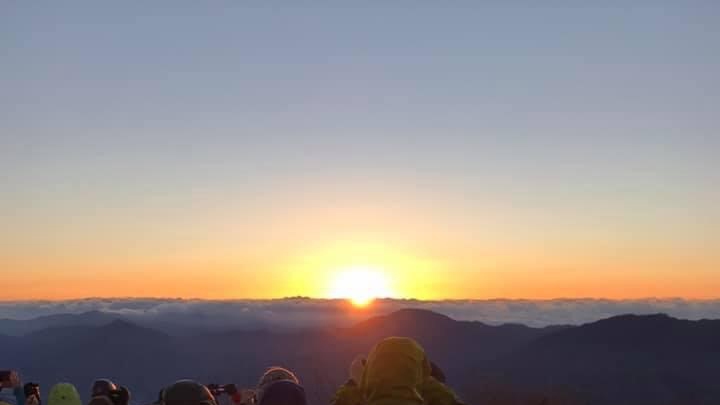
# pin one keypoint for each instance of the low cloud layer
(294, 313)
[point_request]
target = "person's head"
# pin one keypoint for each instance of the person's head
(64, 394)
(357, 368)
(399, 356)
(395, 366)
(9, 379)
(187, 392)
(102, 387)
(276, 374)
(282, 392)
(106, 392)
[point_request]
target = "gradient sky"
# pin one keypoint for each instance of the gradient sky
(466, 151)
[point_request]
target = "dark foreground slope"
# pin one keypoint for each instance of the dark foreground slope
(639, 360)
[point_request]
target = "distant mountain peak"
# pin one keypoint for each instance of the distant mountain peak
(635, 321)
(419, 314)
(407, 318)
(123, 328)
(623, 317)
(639, 332)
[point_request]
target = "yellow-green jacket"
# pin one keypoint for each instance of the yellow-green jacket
(436, 393)
(395, 371)
(64, 394)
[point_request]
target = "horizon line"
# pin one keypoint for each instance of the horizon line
(309, 298)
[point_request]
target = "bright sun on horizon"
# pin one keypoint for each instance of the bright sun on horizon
(361, 285)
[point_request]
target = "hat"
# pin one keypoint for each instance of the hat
(283, 392)
(187, 392)
(276, 374)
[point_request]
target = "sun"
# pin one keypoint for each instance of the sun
(361, 285)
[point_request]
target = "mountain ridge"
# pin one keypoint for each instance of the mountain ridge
(594, 360)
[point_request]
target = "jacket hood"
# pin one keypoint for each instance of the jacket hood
(394, 373)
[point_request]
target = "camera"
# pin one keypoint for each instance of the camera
(217, 389)
(230, 389)
(32, 393)
(31, 389)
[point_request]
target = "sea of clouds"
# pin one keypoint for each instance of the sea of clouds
(303, 312)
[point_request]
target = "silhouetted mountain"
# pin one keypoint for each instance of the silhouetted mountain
(636, 332)
(172, 323)
(625, 359)
(453, 344)
(409, 317)
(83, 353)
(19, 327)
(621, 360)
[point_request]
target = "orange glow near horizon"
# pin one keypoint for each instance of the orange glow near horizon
(360, 271)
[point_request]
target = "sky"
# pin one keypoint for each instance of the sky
(473, 150)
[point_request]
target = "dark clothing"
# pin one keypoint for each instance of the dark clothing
(348, 394)
(283, 392)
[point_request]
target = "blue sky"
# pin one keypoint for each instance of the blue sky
(486, 123)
